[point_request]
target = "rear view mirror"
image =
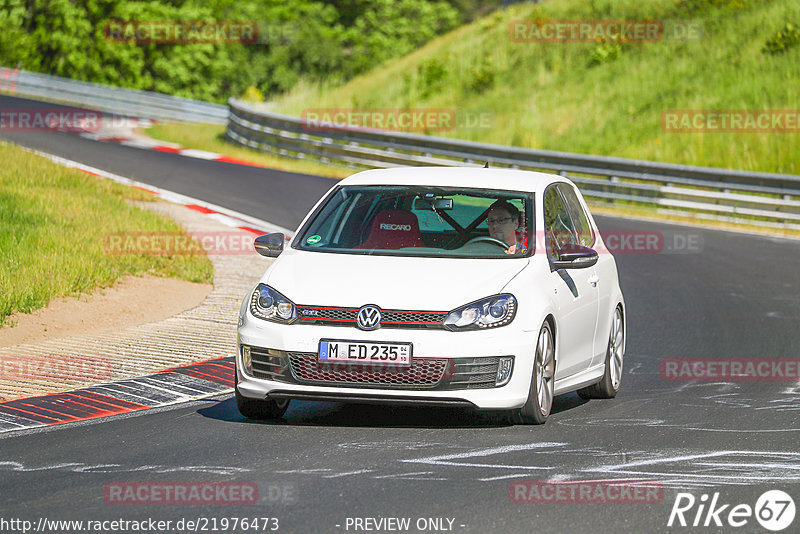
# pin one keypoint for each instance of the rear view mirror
(431, 204)
(443, 204)
(269, 245)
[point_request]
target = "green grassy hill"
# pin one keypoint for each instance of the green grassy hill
(601, 98)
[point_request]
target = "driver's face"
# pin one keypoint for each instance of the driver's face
(502, 226)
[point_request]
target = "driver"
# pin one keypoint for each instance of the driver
(503, 221)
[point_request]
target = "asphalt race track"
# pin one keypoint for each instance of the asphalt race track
(325, 464)
(282, 198)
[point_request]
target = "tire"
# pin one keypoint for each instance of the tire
(259, 409)
(540, 395)
(609, 385)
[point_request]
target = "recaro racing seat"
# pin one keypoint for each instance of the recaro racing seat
(393, 229)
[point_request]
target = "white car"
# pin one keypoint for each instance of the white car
(474, 287)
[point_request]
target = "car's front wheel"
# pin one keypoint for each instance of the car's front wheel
(259, 409)
(608, 387)
(540, 395)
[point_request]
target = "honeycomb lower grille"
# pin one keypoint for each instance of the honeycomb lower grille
(422, 374)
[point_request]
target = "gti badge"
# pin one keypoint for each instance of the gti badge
(369, 317)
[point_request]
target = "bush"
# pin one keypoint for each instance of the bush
(481, 77)
(252, 94)
(782, 40)
(431, 75)
(391, 28)
(302, 39)
(605, 53)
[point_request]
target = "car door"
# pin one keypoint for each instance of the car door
(575, 290)
(604, 269)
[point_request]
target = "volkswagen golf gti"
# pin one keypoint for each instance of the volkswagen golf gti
(482, 288)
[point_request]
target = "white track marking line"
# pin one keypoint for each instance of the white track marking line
(348, 473)
(200, 154)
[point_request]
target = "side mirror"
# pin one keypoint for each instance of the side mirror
(269, 245)
(574, 257)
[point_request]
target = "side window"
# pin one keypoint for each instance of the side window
(581, 221)
(559, 230)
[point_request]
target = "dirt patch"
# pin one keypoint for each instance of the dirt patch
(132, 301)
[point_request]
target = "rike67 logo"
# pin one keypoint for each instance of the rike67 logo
(774, 510)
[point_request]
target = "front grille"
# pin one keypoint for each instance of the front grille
(422, 374)
(326, 315)
(338, 316)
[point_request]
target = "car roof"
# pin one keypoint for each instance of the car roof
(476, 177)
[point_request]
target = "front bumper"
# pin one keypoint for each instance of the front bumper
(456, 365)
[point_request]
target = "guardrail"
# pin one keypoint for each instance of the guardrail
(757, 198)
(116, 100)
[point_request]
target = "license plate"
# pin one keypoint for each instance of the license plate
(332, 351)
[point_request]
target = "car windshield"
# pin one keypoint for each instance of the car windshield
(422, 221)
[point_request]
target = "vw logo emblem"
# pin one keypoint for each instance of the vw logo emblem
(369, 317)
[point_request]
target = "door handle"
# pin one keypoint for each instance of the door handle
(593, 280)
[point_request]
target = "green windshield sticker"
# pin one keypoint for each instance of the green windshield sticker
(313, 240)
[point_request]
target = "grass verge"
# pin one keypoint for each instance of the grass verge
(53, 223)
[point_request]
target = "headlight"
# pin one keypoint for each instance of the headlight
(485, 313)
(268, 304)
